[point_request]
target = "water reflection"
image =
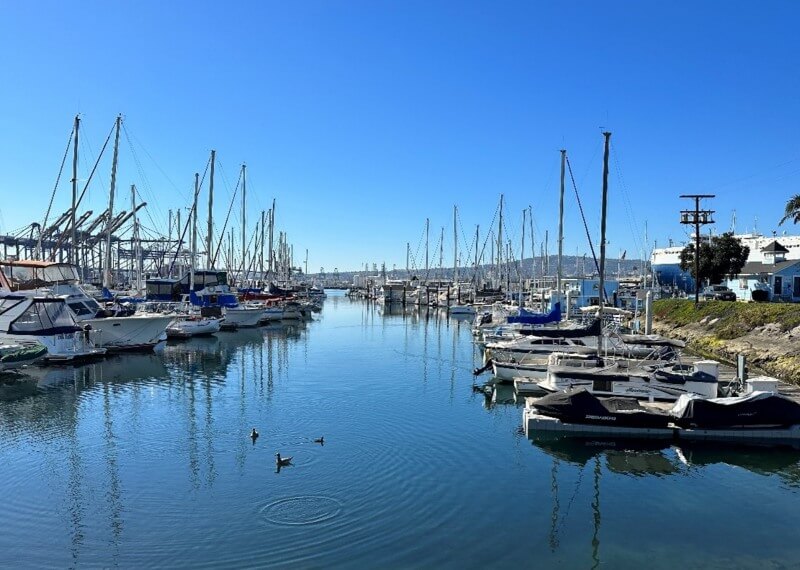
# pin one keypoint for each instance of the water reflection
(139, 459)
(595, 459)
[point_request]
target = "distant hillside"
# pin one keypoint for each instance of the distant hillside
(572, 266)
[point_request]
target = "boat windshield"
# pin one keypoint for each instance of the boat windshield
(24, 277)
(6, 304)
(42, 316)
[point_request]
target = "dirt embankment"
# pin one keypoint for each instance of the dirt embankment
(768, 333)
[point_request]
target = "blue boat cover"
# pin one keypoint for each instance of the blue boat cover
(531, 318)
(217, 300)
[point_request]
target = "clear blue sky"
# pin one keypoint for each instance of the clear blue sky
(362, 118)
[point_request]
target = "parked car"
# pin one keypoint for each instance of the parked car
(718, 293)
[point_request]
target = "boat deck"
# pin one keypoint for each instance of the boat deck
(534, 423)
(526, 387)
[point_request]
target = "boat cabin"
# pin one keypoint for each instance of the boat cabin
(26, 275)
(162, 289)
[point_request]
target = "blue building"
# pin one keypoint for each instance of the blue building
(774, 279)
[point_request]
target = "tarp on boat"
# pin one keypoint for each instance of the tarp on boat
(583, 407)
(530, 318)
(766, 409)
(566, 332)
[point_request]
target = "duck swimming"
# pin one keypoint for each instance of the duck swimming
(320, 440)
(254, 434)
(282, 461)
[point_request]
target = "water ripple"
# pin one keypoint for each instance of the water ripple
(301, 510)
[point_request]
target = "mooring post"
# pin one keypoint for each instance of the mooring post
(648, 313)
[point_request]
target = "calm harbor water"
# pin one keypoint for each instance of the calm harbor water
(145, 460)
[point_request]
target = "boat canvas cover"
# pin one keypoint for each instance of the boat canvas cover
(765, 409)
(583, 407)
(575, 332)
(531, 318)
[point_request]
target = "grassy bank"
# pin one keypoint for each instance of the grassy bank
(767, 333)
(725, 319)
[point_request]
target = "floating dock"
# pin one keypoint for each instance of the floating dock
(536, 424)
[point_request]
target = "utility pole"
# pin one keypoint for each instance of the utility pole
(697, 218)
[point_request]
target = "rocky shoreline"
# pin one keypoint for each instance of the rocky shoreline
(769, 338)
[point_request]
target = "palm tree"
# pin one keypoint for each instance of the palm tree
(792, 210)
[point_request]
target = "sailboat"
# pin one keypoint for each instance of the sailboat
(666, 381)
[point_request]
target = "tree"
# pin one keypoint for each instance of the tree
(722, 256)
(792, 210)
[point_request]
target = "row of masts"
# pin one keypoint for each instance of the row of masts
(501, 267)
(278, 256)
(91, 244)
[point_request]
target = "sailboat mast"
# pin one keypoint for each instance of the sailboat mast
(427, 249)
(271, 245)
(210, 236)
(500, 245)
(135, 240)
(244, 221)
(73, 255)
(561, 224)
(194, 230)
(533, 253)
(522, 256)
(179, 240)
(109, 225)
(261, 261)
(441, 254)
(604, 203)
(455, 245)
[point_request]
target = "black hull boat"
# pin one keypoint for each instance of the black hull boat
(764, 418)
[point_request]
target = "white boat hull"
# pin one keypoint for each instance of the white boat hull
(272, 314)
(187, 328)
(507, 371)
(244, 317)
(137, 332)
(70, 347)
